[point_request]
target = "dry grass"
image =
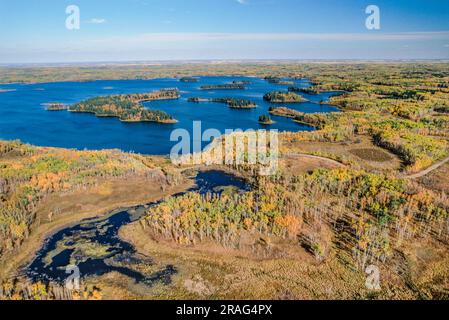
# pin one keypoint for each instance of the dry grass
(361, 154)
(372, 154)
(299, 165)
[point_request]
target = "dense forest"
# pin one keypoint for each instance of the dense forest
(277, 80)
(283, 97)
(311, 91)
(231, 102)
(236, 103)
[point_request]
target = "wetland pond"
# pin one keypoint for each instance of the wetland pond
(93, 245)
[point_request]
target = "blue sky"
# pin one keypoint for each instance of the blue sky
(129, 30)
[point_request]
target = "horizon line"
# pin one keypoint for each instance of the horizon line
(212, 61)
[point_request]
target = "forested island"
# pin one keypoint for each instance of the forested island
(229, 86)
(311, 91)
(265, 119)
(231, 102)
(283, 97)
(128, 107)
(188, 79)
(277, 80)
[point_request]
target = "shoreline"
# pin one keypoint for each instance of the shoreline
(173, 121)
(174, 76)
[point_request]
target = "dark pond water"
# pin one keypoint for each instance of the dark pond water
(94, 247)
(23, 115)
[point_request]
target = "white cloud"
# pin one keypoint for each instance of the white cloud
(197, 46)
(96, 21)
(205, 37)
(242, 1)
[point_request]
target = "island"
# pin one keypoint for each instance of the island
(283, 97)
(198, 100)
(310, 91)
(128, 107)
(188, 79)
(229, 86)
(265, 120)
(56, 106)
(231, 102)
(241, 82)
(277, 80)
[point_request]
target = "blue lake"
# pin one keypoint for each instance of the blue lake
(23, 115)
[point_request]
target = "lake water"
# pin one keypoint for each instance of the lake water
(23, 115)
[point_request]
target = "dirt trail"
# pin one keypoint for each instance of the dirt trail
(428, 170)
(412, 176)
(304, 155)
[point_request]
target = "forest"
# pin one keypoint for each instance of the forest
(283, 97)
(311, 91)
(277, 80)
(231, 102)
(236, 103)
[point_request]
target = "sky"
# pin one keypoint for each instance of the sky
(35, 31)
